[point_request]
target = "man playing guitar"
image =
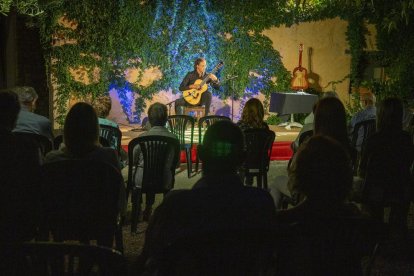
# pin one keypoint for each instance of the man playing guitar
(189, 83)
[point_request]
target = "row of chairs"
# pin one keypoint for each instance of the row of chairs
(155, 150)
(332, 246)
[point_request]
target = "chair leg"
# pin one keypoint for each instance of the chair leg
(197, 161)
(259, 180)
(119, 240)
(136, 209)
(189, 165)
(264, 175)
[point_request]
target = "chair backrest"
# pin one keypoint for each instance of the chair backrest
(155, 151)
(45, 145)
(388, 177)
(305, 135)
(205, 122)
(113, 135)
(51, 258)
(235, 252)
(367, 128)
(178, 124)
(259, 144)
(59, 140)
(330, 246)
(80, 200)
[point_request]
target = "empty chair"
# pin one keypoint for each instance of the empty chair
(82, 200)
(203, 124)
(180, 125)
(51, 258)
(113, 135)
(160, 155)
(259, 144)
(44, 144)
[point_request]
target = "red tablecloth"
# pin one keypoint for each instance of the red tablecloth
(280, 151)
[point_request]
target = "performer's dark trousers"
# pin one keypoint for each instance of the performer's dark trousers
(205, 100)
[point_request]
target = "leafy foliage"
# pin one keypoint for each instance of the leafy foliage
(108, 38)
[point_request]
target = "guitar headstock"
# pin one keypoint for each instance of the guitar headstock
(217, 67)
(301, 47)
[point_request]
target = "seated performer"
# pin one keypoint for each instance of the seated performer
(201, 94)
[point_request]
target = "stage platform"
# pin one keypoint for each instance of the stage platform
(281, 147)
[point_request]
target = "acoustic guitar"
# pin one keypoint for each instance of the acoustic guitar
(300, 78)
(193, 96)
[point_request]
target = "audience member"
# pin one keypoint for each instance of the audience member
(308, 122)
(27, 120)
(385, 166)
(102, 106)
(218, 202)
(330, 120)
(368, 112)
(157, 115)
(81, 141)
(19, 176)
(322, 172)
(81, 138)
(252, 115)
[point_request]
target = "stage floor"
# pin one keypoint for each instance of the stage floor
(281, 148)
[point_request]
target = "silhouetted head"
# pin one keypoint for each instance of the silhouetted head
(157, 114)
(27, 96)
(322, 170)
(223, 149)
(330, 119)
(81, 130)
(253, 113)
(102, 106)
(390, 114)
(367, 99)
(9, 109)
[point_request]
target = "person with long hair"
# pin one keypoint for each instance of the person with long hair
(330, 120)
(252, 115)
(81, 138)
(385, 167)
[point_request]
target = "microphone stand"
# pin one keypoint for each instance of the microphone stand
(231, 78)
(169, 106)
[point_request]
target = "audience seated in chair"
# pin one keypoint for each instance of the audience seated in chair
(81, 140)
(217, 203)
(19, 177)
(330, 120)
(157, 116)
(368, 112)
(321, 171)
(321, 225)
(385, 167)
(252, 117)
(27, 120)
(304, 132)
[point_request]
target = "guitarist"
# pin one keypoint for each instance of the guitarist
(199, 73)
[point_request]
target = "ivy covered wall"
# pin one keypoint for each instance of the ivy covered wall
(89, 47)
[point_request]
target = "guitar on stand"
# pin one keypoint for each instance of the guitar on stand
(193, 96)
(299, 83)
(300, 74)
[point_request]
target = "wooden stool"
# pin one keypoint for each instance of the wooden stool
(195, 111)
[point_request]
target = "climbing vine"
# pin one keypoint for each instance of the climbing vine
(90, 47)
